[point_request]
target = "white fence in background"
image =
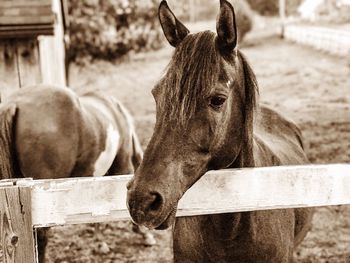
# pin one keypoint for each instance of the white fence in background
(334, 41)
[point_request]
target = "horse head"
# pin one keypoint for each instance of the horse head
(204, 117)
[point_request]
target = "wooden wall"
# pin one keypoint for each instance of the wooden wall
(31, 44)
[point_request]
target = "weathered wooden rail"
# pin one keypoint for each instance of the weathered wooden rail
(29, 204)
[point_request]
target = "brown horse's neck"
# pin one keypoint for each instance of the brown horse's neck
(215, 235)
(246, 156)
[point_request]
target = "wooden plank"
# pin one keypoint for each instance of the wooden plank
(26, 32)
(52, 52)
(24, 20)
(28, 62)
(9, 34)
(25, 27)
(32, 3)
(282, 13)
(25, 11)
(65, 18)
(9, 80)
(87, 200)
(16, 231)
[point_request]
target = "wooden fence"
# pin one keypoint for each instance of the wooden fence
(333, 41)
(29, 204)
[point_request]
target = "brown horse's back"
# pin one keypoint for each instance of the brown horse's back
(278, 141)
(45, 131)
(54, 133)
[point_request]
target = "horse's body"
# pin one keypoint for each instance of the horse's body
(58, 134)
(208, 118)
(51, 132)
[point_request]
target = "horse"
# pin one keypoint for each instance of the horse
(208, 117)
(50, 132)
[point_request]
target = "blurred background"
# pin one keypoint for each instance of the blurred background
(300, 51)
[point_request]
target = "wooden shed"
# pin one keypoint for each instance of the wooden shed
(32, 43)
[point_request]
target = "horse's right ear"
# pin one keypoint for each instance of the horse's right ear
(173, 29)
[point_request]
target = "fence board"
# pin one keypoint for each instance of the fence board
(28, 62)
(52, 51)
(8, 68)
(16, 230)
(87, 200)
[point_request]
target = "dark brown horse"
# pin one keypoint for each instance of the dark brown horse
(50, 132)
(208, 118)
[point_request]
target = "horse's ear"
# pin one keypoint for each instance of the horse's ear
(226, 27)
(173, 29)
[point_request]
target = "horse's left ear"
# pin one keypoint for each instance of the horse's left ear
(173, 29)
(226, 27)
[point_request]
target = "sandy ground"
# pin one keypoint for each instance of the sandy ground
(309, 87)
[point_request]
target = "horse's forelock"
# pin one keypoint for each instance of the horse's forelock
(193, 70)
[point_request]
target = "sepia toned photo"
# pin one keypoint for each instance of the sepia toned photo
(187, 131)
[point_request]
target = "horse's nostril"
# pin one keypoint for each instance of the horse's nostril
(156, 202)
(129, 184)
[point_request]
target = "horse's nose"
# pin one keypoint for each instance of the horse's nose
(155, 202)
(144, 206)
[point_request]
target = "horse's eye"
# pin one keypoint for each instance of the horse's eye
(216, 101)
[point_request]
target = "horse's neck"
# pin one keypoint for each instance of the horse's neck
(246, 156)
(225, 226)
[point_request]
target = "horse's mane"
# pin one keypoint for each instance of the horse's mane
(195, 68)
(251, 85)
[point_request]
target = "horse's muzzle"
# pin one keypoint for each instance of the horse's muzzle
(145, 206)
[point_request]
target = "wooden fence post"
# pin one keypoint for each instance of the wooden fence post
(16, 229)
(282, 11)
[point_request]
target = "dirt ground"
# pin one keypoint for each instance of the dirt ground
(310, 87)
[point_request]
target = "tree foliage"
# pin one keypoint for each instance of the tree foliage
(271, 7)
(109, 29)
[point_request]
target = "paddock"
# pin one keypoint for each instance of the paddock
(307, 86)
(323, 119)
(326, 134)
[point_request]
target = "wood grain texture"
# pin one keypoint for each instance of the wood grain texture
(28, 62)
(19, 65)
(8, 68)
(24, 4)
(87, 200)
(16, 233)
(20, 19)
(52, 52)
(28, 10)
(24, 33)
(27, 19)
